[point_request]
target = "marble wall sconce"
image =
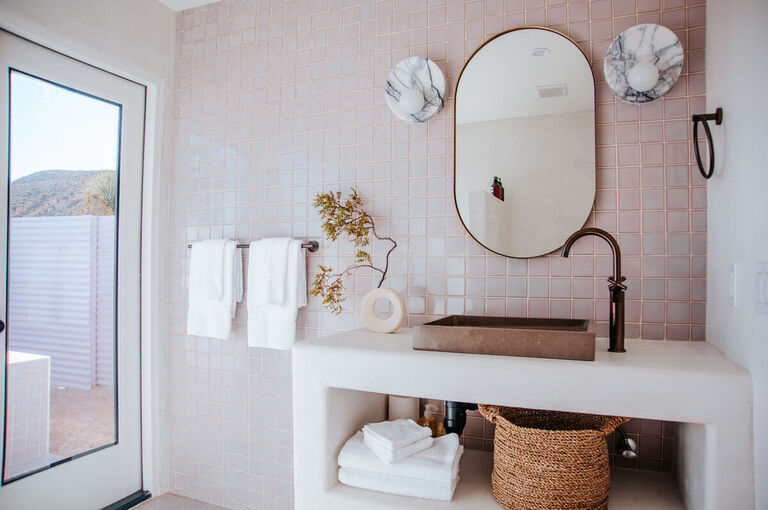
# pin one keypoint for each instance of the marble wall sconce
(415, 89)
(643, 63)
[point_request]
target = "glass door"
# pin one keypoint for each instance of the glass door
(72, 142)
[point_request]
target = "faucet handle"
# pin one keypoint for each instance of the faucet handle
(616, 284)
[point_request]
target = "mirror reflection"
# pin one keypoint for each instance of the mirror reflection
(525, 142)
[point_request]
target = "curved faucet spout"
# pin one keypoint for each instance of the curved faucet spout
(616, 286)
(615, 250)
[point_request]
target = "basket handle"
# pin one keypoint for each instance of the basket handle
(489, 412)
(612, 423)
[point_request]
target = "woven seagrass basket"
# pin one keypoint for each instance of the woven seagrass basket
(549, 460)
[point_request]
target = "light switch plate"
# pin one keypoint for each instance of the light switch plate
(762, 287)
(733, 279)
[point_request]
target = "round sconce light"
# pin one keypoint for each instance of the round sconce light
(415, 89)
(643, 63)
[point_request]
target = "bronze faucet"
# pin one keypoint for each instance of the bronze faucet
(617, 287)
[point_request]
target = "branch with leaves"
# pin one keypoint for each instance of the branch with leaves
(346, 217)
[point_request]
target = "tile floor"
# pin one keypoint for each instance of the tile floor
(174, 502)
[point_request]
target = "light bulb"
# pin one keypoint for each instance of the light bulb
(643, 76)
(411, 101)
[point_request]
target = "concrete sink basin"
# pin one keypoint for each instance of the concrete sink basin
(509, 336)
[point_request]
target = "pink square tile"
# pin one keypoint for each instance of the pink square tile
(536, 17)
(629, 199)
(629, 221)
(677, 198)
(653, 331)
(678, 267)
(626, 112)
(622, 23)
(538, 308)
(653, 198)
(583, 308)
(653, 176)
(629, 177)
(629, 155)
(623, 7)
(654, 244)
(648, 5)
(696, 39)
(653, 311)
(678, 290)
(654, 267)
(601, 29)
(649, 17)
(677, 221)
(651, 111)
(651, 131)
(583, 288)
(674, 19)
(652, 154)
(600, 9)
(560, 288)
(556, 15)
(627, 133)
(578, 12)
(678, 313)
(630, 244)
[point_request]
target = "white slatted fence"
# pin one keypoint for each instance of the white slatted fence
(60, 301)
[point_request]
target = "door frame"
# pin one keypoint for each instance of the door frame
(154, 215)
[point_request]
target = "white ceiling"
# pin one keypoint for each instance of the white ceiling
(180, 5)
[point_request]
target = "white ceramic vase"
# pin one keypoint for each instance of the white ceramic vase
(377, 324)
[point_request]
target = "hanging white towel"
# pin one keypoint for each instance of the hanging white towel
(273, 325)
(440, 463)
(215, 287)
(206, 270)
(269, 286)
(401, 485)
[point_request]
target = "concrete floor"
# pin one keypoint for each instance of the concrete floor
(81, 420)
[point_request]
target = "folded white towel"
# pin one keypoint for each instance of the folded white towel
(401, 485)
(396, 433)
(271, 325)
(440, 463)
(388, 456)
(211, 310)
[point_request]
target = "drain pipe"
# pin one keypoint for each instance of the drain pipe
(456, 416)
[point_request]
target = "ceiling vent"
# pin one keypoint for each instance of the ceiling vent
(547, 91)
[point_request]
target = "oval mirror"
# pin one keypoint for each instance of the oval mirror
(524, 168)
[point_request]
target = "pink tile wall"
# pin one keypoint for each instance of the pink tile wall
(276, 101)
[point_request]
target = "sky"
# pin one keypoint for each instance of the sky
(56, 128)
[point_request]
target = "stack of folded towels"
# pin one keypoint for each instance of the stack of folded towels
(401, 457)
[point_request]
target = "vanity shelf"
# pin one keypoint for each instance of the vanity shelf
(341, 382)
(630, 490)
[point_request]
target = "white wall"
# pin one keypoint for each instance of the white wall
(738, 198)
(546, 191)
(134, 39)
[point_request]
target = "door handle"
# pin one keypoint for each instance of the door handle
(2, 326)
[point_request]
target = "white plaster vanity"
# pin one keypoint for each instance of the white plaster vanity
(340, 382)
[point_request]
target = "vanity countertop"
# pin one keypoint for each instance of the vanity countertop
(615, 383)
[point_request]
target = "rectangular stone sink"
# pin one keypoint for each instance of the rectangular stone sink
(509, 336)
